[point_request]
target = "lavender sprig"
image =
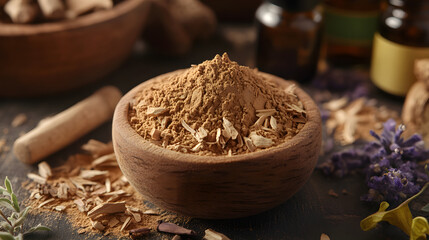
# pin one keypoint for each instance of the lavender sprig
(391, 164)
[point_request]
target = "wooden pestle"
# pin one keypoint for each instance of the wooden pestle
(67, 126)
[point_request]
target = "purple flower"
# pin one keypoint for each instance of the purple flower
(390, 164)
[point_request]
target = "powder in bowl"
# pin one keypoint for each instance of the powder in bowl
(217, 108)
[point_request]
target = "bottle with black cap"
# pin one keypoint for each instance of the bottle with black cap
(289, 37)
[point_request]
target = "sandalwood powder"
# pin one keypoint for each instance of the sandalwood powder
(216, 108)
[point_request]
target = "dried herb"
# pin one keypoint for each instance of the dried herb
(13, 226)
(401, 217)
(173, 228)
(391, 164)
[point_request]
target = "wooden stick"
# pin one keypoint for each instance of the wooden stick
(52, 9)
(21, 11)
(67, 126)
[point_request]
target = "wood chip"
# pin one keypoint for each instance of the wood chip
(323, 236)
(80, 204)
(118, 192)
(188, 128)
(273, 123)
(93, 174)
(45, 170)
(126, 223)
(291, 90)
(62, 191)
(249, 144)
(105, 161)
(97, 225)
(19, 120)
(213, 235)
(197, 147)
(108, 185)
(155, 134)
(97, 148)
(150, 212)
(200, 134)
(59, 208)
(80, 182)
(107, 208)
(293, 107)
(229, 128)
(173, 228)
(269, 111)
(137, 217)
(260, 141)
(37, 178)
(113, 222)
(46, 202)
(155, 111)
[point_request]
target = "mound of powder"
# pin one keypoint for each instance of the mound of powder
(217, 107)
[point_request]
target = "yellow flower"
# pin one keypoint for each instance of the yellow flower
(419, 228)
(400, 217)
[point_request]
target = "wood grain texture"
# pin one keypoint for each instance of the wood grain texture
(51, 57)
(216, 187)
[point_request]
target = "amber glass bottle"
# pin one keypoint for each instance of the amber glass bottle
(289, 36)
(403, 36)
(349, 30)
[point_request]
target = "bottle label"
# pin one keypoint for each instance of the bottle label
(392, 65)
(350, 27)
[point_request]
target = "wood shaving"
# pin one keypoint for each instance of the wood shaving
(260, 141)
(97, 148)
(108, 160)
(155, 111)
(249, 144)
(273, 123)
(155, 134)
(126, 223)
(98, 225)
(107, 208)
(45, 170)
(36, 178)
(67, 192)
(213, 235)
(93, 174)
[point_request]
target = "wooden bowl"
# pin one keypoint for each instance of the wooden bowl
(37, 59)
(216, 187)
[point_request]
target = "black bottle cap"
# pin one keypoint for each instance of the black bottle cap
(296, 5)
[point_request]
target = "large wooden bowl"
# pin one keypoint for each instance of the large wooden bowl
(37, 59)
(216, 187)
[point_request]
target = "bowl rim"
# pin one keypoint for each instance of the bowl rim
(14, 29)
(313, 125)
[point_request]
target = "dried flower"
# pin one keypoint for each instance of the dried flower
(12, 227)
(400, 217)
(390, 163)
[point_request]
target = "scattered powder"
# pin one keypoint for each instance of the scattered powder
(87, 182)
(217, 107)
